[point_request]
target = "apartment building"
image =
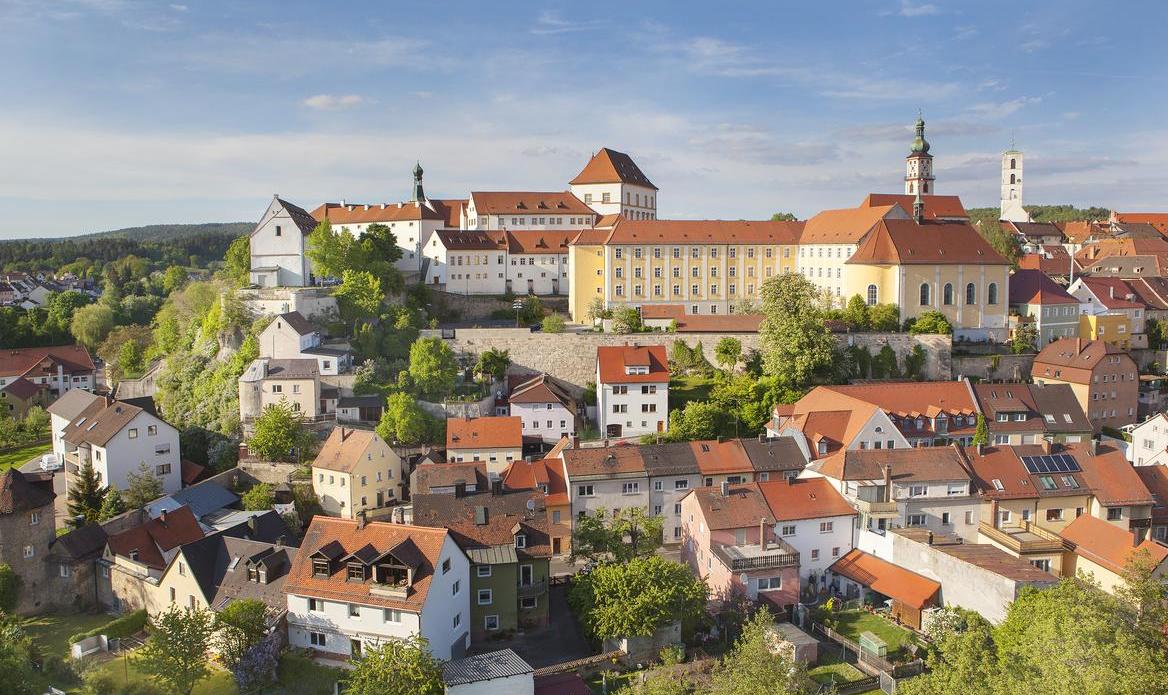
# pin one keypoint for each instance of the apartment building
(293, 382)
(499, 261)
(606, 478)
(1054, 311)
(632, 389)
(45, 372)
(1029, 413)
(355, 584)
(356, 471)
(1111, 297)
(814, 519)
(1149, 445)
(290, 336)
(611, 183)
(1103, 378)
(497, 441)
(532, 210)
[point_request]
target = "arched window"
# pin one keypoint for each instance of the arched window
(970, 294)
(925, 294)
(910, 187)
(872, 297)
(925, 187)
(992, 293)
(1012, 163)
(947, 294)
(1012, 179)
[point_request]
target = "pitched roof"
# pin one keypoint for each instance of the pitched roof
(999, 472)
(716, 457)
(1073, 359)
(529, 203)
(541, 241)
(428, 476)
(704, 232)
(1112, 293)
(886, 578)
(910, 398)
(99, 422)
(669, 458)
(1034, 230)
(300, 217)
(703, 323)
(1051, 259)
(936, 206)
(907, 242)
(220, 564)
(271, 368)
(613, 359)
(908, 465)
(985, 556)
(603, 461)
(23, 389)
(533, 475)
(1036, 401)
(610, 166)
(742, 506)
(72, 403)
(1113, 480)
(1034, 287)
(472, 239)
(363, 213)
(157, 536)
(485, 519)
(846, 225)
(542, 389)
(484, 432)
(1155, 478)
(1079, 231)
(774, 454)
(419, 545)
(17, 494)
(481, 668)
(344, 449)
(1159, 220)
(804, 498)
(1108, 545)
(297, 322)
(42, 361)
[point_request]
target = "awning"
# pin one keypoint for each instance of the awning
(886, 578)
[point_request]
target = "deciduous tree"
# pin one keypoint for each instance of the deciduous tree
(91, 324)
(756, 665)
(857, 314)
(404, 422)
(636, 598)
(360, 294)
(1025, 338)
(795, 341)
(279, 433)
(433, 368)
(628, 534)
(261, 496)
(728, 352)
(176, 653)
(931, 322)
(239, 627)
(396, 667)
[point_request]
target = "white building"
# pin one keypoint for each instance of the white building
(1149, 443)
(546, 409)
(354, 585)
(609, 478)
(117, 438)
(814, 519)
(467, 262)
(632, 389)
(1012, 210)
(277, 246)
(497, 441)
(612, 184)
(57, 368)
(498, 210)
(290, 336)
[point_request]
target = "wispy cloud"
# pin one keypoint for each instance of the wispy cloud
(1001, 109)
(289, 57)
(550, 22)
(333, 102)
(909, 9)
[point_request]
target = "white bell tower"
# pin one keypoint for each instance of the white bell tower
(918, 174)
(1012, 210)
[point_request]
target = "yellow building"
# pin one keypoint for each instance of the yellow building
(707, 266)
(1113, 329)
(356, 471)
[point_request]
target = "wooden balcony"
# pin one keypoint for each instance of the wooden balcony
(537, 588)
(878, 510)
(1026, 539)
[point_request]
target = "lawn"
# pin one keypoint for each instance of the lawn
(615, 681)
(832, 669)
(683, 389)
(19, 457)
(297, 675)
(852, 623)
(52, 632)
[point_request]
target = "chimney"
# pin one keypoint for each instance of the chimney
(791, 479)
(460, 489)
(344, 434)
(762, 536)
(251, 527)
(725, 488)
(720, 438)
(575, 443)
(280, 541)
(980, 449)
(360, 519)
(497, 486)
(342, 202)
(1046, 445)
(1093, 446)
(162, 517)
(994, 513)
(888, 483)
(930, 537)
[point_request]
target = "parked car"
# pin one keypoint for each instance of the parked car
(50, 462)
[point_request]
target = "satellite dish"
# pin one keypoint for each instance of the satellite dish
(531, 505)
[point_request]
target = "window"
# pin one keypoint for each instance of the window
(491, 622)
(29, 551)
(63, 571)
(527, 603)
(1054, 515)
(486, 597)
(970, 294)
(315, 605)
(815, 553)
(969, 518)
(163, 469)
(1047, 482)
(354, 610)
(925, 294)
(826, 526)
(872, 295)
(998, 485)
(681, 484)
(316, 639)
(457, 620)
(658, 485)
(520, 540)
(992, 293)
(34, 518)
(132, 433)
(918, 490)
(630, 488)
(1114, 513)
(677, 508)
(445, 565)
(916, 519)
(584, 491)
(956, 489)
(945, 518)
(770, 583)
(947, 294)
(787, 530)
(392, 615)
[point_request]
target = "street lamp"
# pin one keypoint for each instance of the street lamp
(517, 305)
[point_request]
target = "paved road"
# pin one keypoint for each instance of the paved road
(559, 641)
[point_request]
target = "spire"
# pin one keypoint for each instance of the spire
(919, 208)
(920, 145)
(418, 196)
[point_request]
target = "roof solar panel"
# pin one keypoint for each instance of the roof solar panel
(1059, 464)
(1028, 461)
(1072, 464)
(1042, 463)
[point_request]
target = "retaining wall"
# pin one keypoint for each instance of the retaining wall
(1009, 367)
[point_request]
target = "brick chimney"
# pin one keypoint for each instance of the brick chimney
(762, 535)
(888, 483)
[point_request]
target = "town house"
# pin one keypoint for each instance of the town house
(632, 389)
(1103, 378)
(291, 336)
(497, 441)
(545, 407)
(1029, 413)
(606, 478)
(356, 471)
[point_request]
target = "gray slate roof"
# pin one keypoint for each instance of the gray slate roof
(504, 663)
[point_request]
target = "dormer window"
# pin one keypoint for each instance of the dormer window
(393, 574)
(320, 568)
(823, 446)
(134, 555)
(521, 540)
(356, 572)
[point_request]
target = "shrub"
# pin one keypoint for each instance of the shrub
(553, 323)
(125, 626)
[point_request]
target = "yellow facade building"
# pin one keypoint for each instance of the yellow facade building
(1110, 328)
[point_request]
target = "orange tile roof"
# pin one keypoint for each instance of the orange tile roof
(504, 511)
(1159, 220)
(719, 457)
(1112, 293)
(531, 475)
(365, 213)
(542, 389)
(529, 203)
(484, 433)
(344, 448)
(703, 323)
(906, 242)
(609, 221)
(1052, 260)
(1074, 359)
(591, 237)
(742, 506)
(1034, 287)
(1155, 478)
(705, 232)
(1004, 464)
(428, 476)
(911, 398)
(1108, 545)
(532, 242)
(603, 461)
(847, 225)
(612, 360)
(610, 166)
(917, 464)
(886, 578)
(417, 544)
(1113, 479)
(157, 536)
(1079, 231)
(936, 206)
(804, 498)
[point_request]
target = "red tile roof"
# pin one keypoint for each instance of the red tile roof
(886, 578)
(720, 457)
(1004, 464)
(24, 389)
(612, 360)
(1034, 287)
(1073, 359)
(1108, 545)
(906, 242)
(705, 232)
(936, 206)
(1159, 220)
(542, 389)
(42, 361)
(1052, 260)
(365, 213)
(157, 536)
(1113, 479)
(344, 449)
(472, 240)
(603, 461)
(1112, 293)
(804, 498)
(533, 242)
(484, 433)
(847, 225)
(529, 203)
(1155, 478)
(703, 323)
(743, 506)
(610, 166)
(532, 475)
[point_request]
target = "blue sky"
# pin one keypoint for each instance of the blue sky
(123, 112)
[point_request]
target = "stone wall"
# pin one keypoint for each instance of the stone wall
(994, 367)
(572, 356)
(477, 307)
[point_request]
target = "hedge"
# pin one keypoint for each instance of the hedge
(125, 626)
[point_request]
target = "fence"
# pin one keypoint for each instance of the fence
(579, 663)
(884, 666)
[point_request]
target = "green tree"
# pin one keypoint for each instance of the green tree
(628, 534)
(931, 322)
(360, 294)
(16, 658)
(396, 667)
(857, 314)
(86, 494)
(1025, 338)
(884, 364)
(660, 681)
(375, 252)
(553, 323)
(596, 310)
(142, 487)
(697, 420)
(112, 505)
(626, 320)
(91, 324)
(493, 363)
(279, 433)
(981, 434)
(330, 251)
(239, 627)
(174, 278)
(914, 363)
(783, 217)
(433, 368)
(131, 359)
(1155, 330)
(1144, 593)
(237, 261)
(884, 318)
(635, 598)
(261, 496)
(9, 588)
(62, 305)
(176, 653)
(728, 352)
(404, 422)
(753, 666)
(795, 341)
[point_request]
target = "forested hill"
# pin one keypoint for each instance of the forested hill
(1045, 213)
(166, 244)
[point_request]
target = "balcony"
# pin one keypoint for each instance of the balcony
(537, 588)
(389, 590)
(741, 558)
(1023, 540)
(870, 501)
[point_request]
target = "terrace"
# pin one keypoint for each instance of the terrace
(741, 558)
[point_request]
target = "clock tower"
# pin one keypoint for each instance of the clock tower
(918, 176)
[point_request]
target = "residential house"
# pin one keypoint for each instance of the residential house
(57, 368)
(1103, 377)
(292, 382)
(495, 440)
(467, 261)
(117, 438)
(1103, 551)
(1159, 220)
(632, 389)
(356, 471)
(1155, 479)
(133, 560)
(1053, 261)
(360, 409)
(1054, 312)
(537, 261)
(546, 409)
(290, 336)
(445, 478)
(17, 396)
(814, 519)
(505, 535)
(27, 530)
(606, 478)
(926, 488)
(1149, 442)
(1029, 413)
(774, 458)
(1111, 297)
(672, 471)
(863, 575)
(355, 584)
(1034, 235)
(277, 246)
(611, 183)
(547, 475)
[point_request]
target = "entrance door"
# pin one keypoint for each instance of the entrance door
(355, 648)
(660, 425)
(530, 286)
(555, 546)
(380, 498)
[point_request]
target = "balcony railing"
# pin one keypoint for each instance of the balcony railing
(535, 588)
(389, 590)
(1025, 539)
(741, 558)
(877, 509)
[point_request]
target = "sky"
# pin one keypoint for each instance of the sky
(121, 113)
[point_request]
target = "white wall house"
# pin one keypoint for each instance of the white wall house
(609, 478)
(612, 184)
(1149, 445)
(542, 210)
(277, 246)
(58, 368)
(546, 410)
(632, 390)
(291, 336)
(355, 584)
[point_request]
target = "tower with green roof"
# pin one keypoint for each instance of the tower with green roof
(918, 177)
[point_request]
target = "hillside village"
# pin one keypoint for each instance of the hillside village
(544, 442)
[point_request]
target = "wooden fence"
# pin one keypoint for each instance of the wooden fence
(884, 666)
(578, 663)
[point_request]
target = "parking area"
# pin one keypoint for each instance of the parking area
(559, 641)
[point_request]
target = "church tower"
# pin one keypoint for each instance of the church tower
(918, 177)
(1012, 210)
(418, 196)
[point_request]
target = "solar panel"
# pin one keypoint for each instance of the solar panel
(1058, 463)
(1072, 464)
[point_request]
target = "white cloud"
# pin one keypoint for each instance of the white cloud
(550, 22)
(332, 102)
(997, 110)
(908, 9)
(179, 8)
